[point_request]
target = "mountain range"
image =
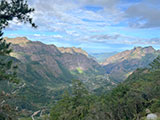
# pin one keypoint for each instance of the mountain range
(121, 65)
(46, 71)
(101, 57)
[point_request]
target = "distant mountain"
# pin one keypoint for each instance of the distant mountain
(124, 63)
(46, 71)
(101, 57)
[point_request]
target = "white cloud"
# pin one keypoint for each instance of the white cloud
(36, 35)
(72, 19)
(145, 14)
(119, 39)
(57, 36)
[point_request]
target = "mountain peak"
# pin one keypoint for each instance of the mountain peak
(124, 63)
(72, 50)
(149, 49)
(17, 40)
(135, 53)
(137, 48)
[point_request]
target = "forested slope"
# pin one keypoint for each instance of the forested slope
(128, 101)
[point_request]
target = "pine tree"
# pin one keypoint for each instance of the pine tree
(74, 106)
(9, 10)
(156, 63)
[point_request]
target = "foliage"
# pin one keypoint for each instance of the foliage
(74, 106)
(156, 63)
(128, 101)
(10, 10)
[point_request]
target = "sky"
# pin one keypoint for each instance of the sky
(93, 25)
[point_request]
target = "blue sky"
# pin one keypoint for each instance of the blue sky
(94, 25)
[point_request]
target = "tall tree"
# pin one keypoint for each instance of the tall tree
(74, 106)
(9, 10)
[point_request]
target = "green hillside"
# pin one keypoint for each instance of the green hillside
(45, 73)
(128, 101)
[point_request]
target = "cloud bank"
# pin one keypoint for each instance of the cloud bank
(78, 22)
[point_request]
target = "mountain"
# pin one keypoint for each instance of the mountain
(101, 57)
(137, 98)
(72, 50)
(121, 65)
(46, 71)
(17, 40)
(71, 58)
